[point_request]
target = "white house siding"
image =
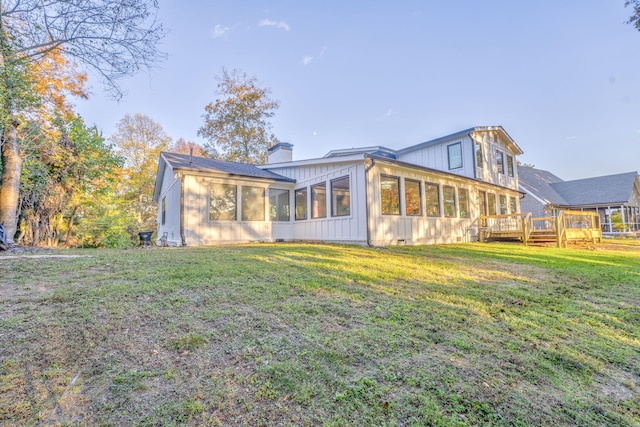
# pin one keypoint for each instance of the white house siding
(171, 195)
(348, 229)
(491, 142)
(436, 156)
(199, 230)
(405, 229)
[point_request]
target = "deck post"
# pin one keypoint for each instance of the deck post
(524, 231)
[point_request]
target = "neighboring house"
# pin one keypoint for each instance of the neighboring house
(616, 198)
(427, 193)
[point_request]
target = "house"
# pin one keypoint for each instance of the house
(615, 198)
(427, 193)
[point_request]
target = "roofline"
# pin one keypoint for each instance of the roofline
(460, 134)
(438, 171)
(308, 162)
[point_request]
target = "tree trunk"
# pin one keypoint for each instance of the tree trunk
(10, 190)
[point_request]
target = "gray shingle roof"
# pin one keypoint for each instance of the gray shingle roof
(599, 190)
(539, 183)
(203, 164)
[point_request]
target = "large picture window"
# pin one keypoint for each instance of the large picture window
(390, 195)
(432, 198)
(252, 202)
(513, 205)
(482, 202)
(279, 205)
(340, 197)
(412, 197)
(449, 201)
(503, 204)
(301, 203)
(500, 161)
(463, 203)
(223, 202)
(491, 198)
(319, 200)
(454, 152)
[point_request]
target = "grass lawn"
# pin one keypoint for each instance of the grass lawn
(328, 335)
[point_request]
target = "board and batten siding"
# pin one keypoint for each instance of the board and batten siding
(436, 156)
(171, 195)
(491, 143)
(422, 229)
(345, 229)
(200, 230)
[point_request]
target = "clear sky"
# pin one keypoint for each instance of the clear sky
(561, 76)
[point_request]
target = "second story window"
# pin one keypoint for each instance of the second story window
(479, 159)
(510, 167)
(500, 161)
(454, 152)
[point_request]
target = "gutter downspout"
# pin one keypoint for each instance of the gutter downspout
(182, 236)
(366, 197)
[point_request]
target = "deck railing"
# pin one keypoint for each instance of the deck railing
(568, 226)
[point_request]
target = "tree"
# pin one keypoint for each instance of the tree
(115, 38)
(139, 141)
(187, 147)
(236, 124)
(61, 178)
(635, 16)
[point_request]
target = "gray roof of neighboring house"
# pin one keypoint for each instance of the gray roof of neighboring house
(203, 164)
(539, 183)
(599, 190)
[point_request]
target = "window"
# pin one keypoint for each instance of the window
(222, 202)
(164, 210)
(412, 199)
(510, 170)
(432, 197)
(463, 202)
(390, 195)
(301, 203)
(513, 205)
(500, 161)
(482, 202)
(449, 201)
(492, 203)
(278, 205)
(319, 200)
(340, 197)
(455, 155)
(503, 204)
(252, 203)
(479, 159)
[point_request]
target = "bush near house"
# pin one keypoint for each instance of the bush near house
(299, 334)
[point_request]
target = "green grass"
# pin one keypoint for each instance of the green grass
(327, 335)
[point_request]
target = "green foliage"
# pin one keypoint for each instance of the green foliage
(66, 173)
(236, 124)
(634, 19)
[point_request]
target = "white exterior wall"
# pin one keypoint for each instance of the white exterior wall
(436, 157)
(347, 229)
(200, 230)
(171, 195)
(416, 230)
(490, 143)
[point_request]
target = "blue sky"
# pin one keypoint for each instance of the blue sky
(562, 77)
